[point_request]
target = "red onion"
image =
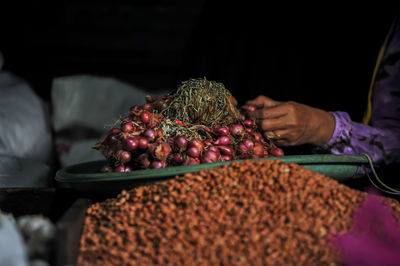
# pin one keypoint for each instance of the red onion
(221, 131)
(114, 131)
(161, 105)
(215, 149)
(180, 143)
(143, 160)
(177, 159)
(130, 143)
(226, 157)
(134, 109)
(162, 151)
(156, 165)
(257, 137)
(191, 161)
(150, 134)
(106, 169)
(258, 151)
(196, 143)
(236, 129)
(249, 130)
(248, 143)
(209, 157)
(193, 152)
(223, 140)
(248, 123)
(122, 169)
(226, 150)
(143, 143)
(124, 156)
(113, 142)
(148, 107)
(243, 149)
(127, 127)
(145, 117)
(276, 152)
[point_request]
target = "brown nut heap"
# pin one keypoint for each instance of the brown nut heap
(250, 213)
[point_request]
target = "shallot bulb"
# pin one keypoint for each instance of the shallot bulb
(143, 143)
(277, 152)
(130, 144)
(221, 131)
(226, 150)
(180, 143)
(193, 152)
(196, 143)
(248, 123)
(223, 140)
(124, 156)
(156, 165)
(236, 129)
(209, 157)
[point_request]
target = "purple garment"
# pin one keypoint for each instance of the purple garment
(381, 138)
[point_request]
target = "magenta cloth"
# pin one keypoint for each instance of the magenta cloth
(374, 239)
(381, 138)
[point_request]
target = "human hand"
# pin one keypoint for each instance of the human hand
(291, 123)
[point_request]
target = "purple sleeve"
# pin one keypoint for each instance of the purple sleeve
(381, 138)
(381, 144)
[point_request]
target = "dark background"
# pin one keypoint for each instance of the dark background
(323, 57)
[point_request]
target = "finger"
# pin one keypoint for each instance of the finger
(269, 113)
(272, 124)
(262, 101)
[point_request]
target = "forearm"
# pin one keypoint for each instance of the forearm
(382, 145)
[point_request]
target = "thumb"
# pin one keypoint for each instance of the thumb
(262, 101)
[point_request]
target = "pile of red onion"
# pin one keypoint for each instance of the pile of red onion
(141, 142)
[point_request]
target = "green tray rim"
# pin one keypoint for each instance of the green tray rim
(69, 174)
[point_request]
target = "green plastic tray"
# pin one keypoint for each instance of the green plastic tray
(86, 177)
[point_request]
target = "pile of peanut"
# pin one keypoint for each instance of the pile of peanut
(249, 213)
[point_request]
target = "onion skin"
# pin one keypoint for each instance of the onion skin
(127, 127)
(130, 144)
(226, 150)
(276, 152)
(248, 143)
(145, 117)
(180, 143)
(114, 131)
(150, 134)
(193, 152)
(162, 151)
(209, 157)
(124, 156)
(196, 143)
(191, 161)
(177, 159)
(236, 129)
(221, 131)
(121, 169)
(226, 157)
(143, 160)
(143, 143)
(223, 140)
(215, 149)
(148, 107)
(258, 151)
(114, 142)
(248, 123)
(156, 165)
